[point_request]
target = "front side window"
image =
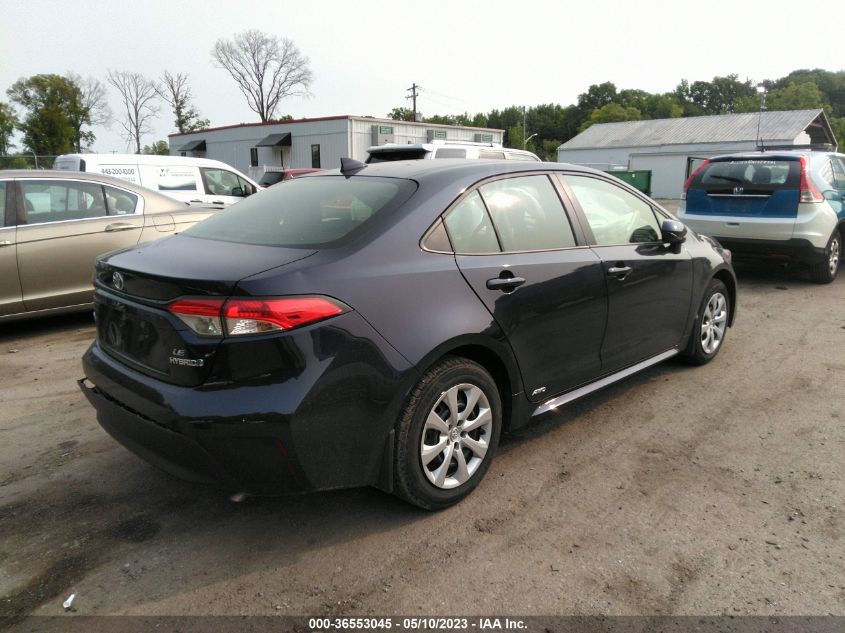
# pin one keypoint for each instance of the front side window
(58, 201)
(527, 214)
(307, 212)
(220, 182)
(470, 229)
(615, 216)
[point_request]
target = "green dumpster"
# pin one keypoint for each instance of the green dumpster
(639, 179)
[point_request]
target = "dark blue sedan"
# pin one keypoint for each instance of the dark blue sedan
(383, 324)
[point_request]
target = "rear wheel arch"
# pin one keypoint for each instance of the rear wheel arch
(493, 356)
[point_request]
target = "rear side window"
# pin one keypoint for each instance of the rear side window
(528, 214)
(120, 202)
(58, 201)
(308, 212)
(470, 229)
(748, 176)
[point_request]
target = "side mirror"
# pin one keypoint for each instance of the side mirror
(673, 232)
(238, 191)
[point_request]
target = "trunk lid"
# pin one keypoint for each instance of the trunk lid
(134, 287)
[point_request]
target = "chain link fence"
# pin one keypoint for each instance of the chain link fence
(26, 161)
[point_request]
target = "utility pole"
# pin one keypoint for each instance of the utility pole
(413, 96)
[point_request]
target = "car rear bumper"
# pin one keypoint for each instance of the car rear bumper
(798, 250)
(326, 428)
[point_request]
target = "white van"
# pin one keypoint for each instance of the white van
(194, 180)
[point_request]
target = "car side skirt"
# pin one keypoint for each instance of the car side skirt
(575, 394)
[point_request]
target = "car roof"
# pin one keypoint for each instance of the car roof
(63, 174)
(785, 153)
(454, 168)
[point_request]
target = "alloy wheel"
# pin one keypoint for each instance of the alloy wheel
(833, 257)
(456, 436)
(714, 323)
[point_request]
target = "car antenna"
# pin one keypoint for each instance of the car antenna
(350, 166)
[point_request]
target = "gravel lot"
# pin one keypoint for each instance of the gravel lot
(713, 490)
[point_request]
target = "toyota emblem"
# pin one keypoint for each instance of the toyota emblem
(117, 281)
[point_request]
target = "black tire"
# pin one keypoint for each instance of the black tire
(413, 479)
(699, 351)
(825, 271)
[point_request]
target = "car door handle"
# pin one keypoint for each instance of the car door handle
(194, 200)
(505, 283)
(118, 226)
(620, 272)
(217, 202)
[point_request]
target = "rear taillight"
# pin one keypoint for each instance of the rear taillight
(809, 193)
(691, 176)
(201, 315)
(239, 317)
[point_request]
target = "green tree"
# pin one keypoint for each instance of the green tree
(161, 148)
(611, 113)
(718, 96)
(796, 96)
(830, 84)
(54, 111)
(400, 114)
(8, 124)
(549, 150)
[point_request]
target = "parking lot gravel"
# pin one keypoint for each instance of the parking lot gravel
(711, 490)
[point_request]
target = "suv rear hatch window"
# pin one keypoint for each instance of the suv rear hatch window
(762, 187)
(320, 212)
(383, 156)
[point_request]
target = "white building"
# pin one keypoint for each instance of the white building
(672, 148)
(252, 148)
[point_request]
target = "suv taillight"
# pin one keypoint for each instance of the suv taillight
(691, 176)
(240, 317)
(809, 193)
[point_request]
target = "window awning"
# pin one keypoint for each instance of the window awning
(274, 140)
(193, 146)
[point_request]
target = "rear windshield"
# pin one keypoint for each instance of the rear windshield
(317, 212)
(396, 154)
(748, 175)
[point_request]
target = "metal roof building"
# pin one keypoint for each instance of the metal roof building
(672, 148)
(254, 148)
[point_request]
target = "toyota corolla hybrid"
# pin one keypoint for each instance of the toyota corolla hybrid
(383, 324)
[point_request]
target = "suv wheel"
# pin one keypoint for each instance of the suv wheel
(711, 325)
(447, 434)
(825, 271)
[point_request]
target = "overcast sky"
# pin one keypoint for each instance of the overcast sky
(467, 55)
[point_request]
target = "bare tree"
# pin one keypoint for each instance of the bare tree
(174, 89)
(139, 96)
(94, 108)
(267, 68)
